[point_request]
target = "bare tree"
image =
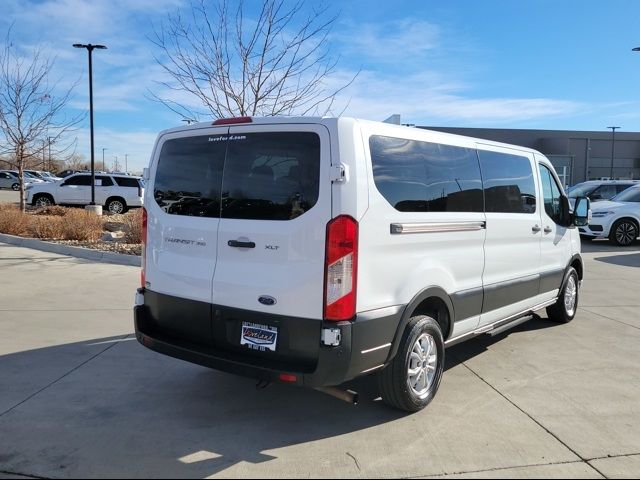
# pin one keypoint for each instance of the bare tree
(277, 64)
(31, 108)
(77, 162)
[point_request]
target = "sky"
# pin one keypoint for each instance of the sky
(543, 64)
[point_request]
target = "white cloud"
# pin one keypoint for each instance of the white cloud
(430, 98)
(388, 42)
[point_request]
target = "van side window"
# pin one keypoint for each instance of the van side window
(508, 183)
(271, 176)
(415, 176)
(189, 176)
(551, 194)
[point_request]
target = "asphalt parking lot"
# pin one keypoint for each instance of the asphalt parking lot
(9, 196)
(79, 397)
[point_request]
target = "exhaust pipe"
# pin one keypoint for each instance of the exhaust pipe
(348, 396)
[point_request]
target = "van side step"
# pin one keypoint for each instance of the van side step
(500, 326)
(510, 325)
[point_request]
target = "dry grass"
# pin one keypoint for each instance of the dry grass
(133, 223)
(81, 225)
(13, 221)
(46, 227)
(67, 224)
(54, 211)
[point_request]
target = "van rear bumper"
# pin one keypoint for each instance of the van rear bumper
(364, 347)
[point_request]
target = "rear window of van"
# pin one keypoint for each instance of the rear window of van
(259, 176)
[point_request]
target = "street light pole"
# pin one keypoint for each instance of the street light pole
(90, 49)
(103, 169)
(49, 169)
(126, 169)
(613, 148)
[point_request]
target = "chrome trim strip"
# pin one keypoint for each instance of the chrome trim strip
(372, 369)
(497, 324)
(436, 227)
(387, 345)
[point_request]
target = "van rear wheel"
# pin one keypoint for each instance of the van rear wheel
(412, 378)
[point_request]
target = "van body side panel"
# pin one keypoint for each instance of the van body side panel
(402, 252)
(350, 197)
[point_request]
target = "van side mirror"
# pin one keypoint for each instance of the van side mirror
(581, 212)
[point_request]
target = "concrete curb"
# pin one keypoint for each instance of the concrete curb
(78, 252)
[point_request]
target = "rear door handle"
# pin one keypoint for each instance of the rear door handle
(535, 229)
(239, 244)
(548, 230)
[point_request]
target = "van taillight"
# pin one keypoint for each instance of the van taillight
(144, 248)
(341, 266)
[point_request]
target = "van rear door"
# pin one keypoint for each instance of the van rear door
(276, 202)
(183, 208)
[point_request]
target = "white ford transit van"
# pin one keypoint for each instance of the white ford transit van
(316, 250)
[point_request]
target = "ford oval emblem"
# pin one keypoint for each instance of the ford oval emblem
(267, 300)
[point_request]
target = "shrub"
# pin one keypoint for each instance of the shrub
(81, 225)
(12, 220)
(133, 226)
(53, 210)
(46, 227)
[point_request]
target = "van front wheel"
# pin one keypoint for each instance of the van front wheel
(565, 308)
(412, 378)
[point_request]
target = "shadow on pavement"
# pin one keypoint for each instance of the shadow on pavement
(132, 412)
(629, 260)
(605, 246)
(467, 350)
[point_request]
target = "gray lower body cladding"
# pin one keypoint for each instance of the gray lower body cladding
(209, 335)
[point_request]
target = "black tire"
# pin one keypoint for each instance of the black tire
(394, 380)
(623, 232)
(560, 311)
(116, 206)
(15, 187)
(42, 200)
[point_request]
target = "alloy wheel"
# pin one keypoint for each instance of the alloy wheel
(626, 233)
(423, 360)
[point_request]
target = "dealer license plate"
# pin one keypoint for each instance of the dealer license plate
(259, 337)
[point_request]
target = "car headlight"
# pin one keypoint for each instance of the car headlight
(602, 214)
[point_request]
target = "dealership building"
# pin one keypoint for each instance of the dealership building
(577, 156)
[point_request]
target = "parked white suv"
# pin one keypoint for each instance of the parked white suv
(315, 250)
(117, 193)
(618, 220)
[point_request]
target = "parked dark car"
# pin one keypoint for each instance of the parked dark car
(66, 173)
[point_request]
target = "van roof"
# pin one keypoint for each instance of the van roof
(324, 120)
